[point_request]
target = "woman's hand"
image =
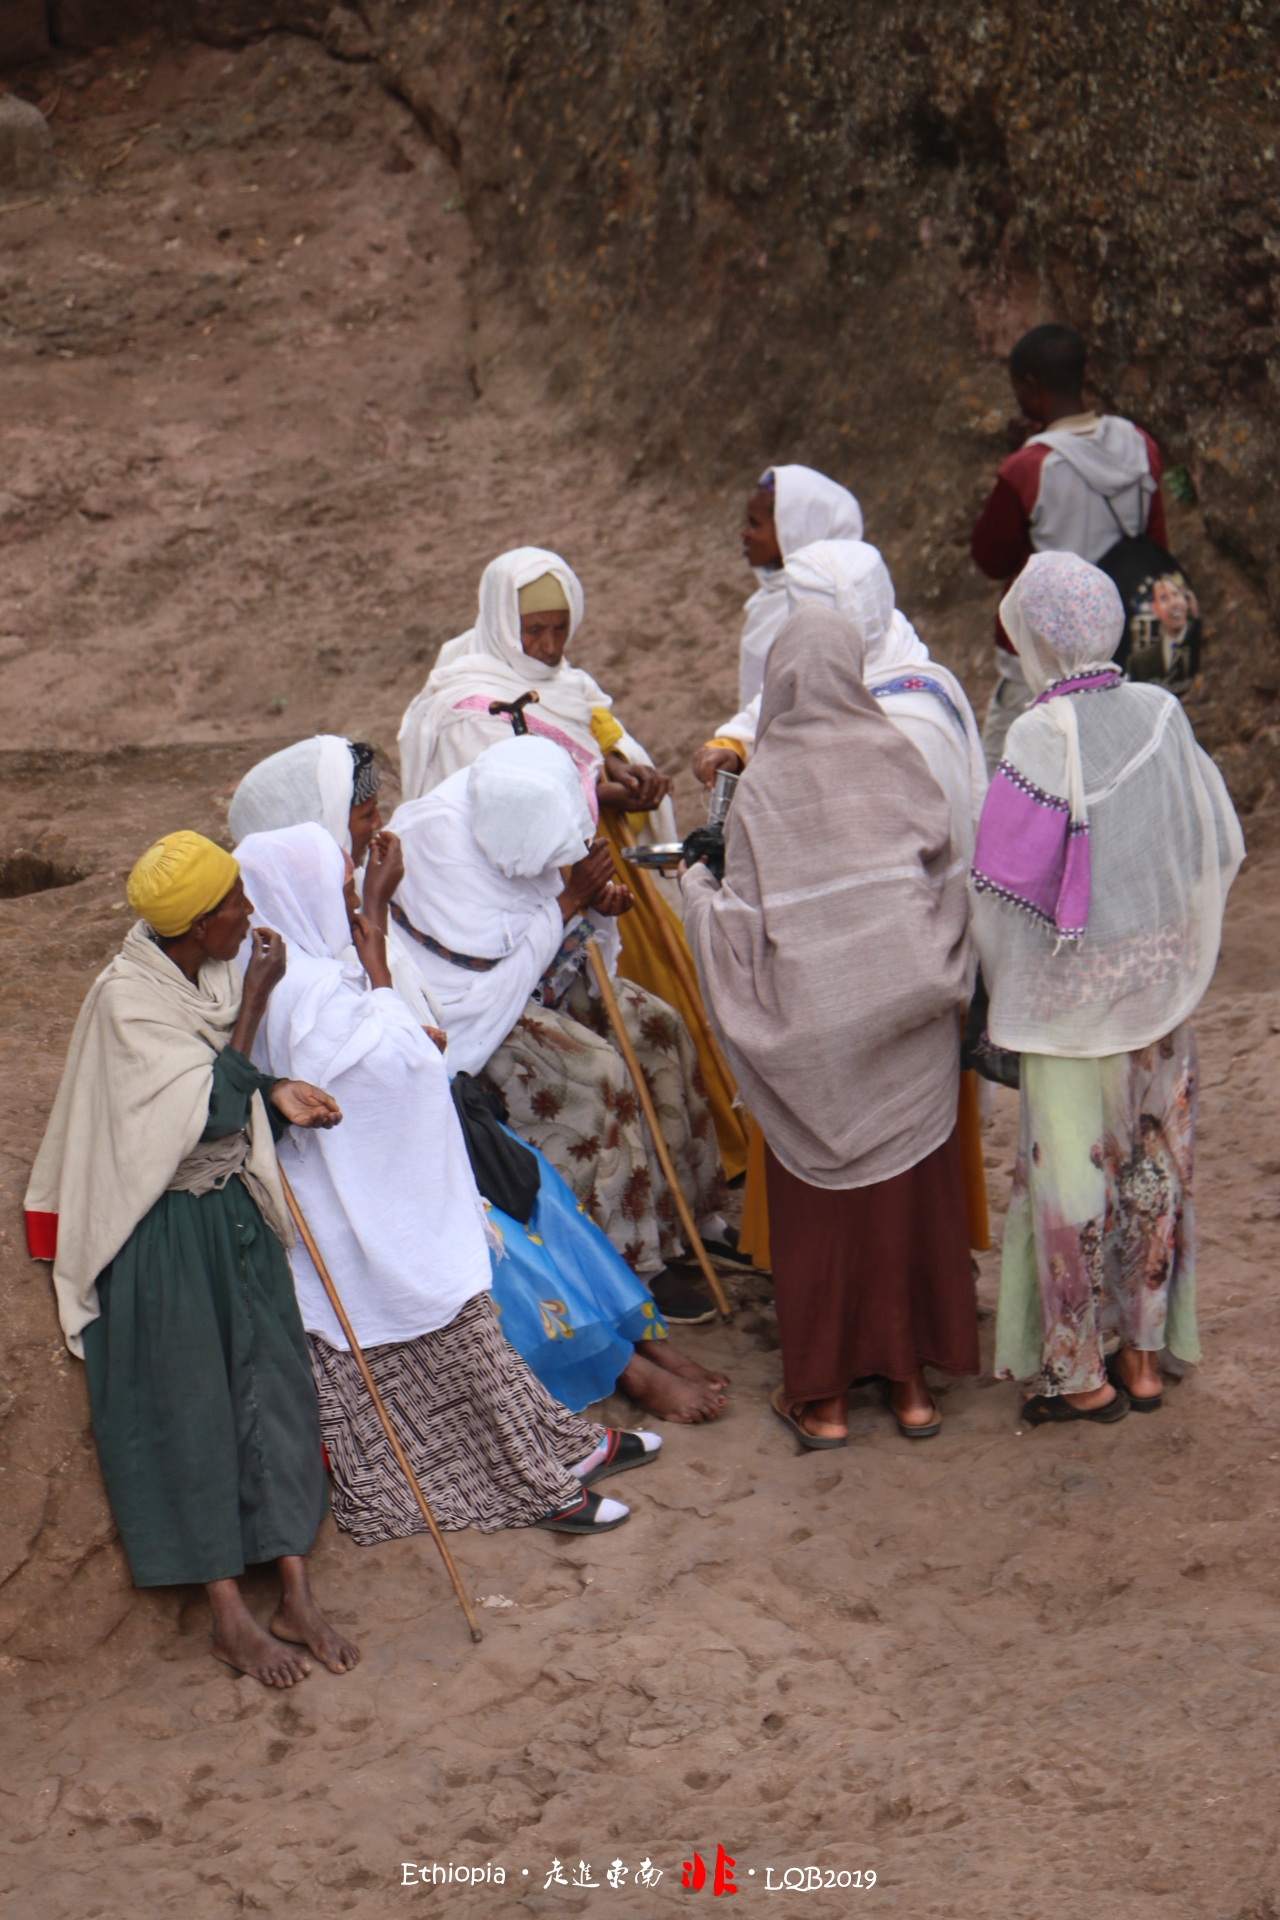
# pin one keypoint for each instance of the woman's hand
(708, 761)
(384, 870)
(438, 1037)
(587, 877)
(629, 789)
(265, 971)
(371, 944)
(304, 1105)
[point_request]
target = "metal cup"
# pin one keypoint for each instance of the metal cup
(721, 797)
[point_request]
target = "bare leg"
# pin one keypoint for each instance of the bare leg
(298, 1618)
(912, 1402)
(241, 1642)
(668, 1394)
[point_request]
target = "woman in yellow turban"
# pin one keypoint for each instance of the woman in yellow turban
(157, 1198)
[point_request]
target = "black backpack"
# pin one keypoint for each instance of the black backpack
(1161, 613)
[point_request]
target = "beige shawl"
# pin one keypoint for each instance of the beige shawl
(834, 956)
(132, 1105)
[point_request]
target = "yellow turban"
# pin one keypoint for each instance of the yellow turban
(181, 877)
(544, 595)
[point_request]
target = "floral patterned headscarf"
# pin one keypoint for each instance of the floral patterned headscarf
(1063, 616)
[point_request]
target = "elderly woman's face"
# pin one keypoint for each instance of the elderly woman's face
(544, 636)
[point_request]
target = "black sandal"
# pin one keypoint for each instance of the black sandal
(1044, 1409)
(625, 1450)
(580, 1517)
(1140, 1402)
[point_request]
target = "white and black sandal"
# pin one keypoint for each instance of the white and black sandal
(622, 1452)
(593, 1513)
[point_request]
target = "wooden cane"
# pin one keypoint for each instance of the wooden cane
(638, 877)
(402, 1459)
(645, 1098)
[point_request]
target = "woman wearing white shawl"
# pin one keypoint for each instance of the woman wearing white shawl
(335, 782)
(396, 1214)
(157, 1197)
(1104, 855)
(788, 509)
(921, 697)
(531, 606)
(834, 961)
(498, 939)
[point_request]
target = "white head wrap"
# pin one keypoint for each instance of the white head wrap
(389, 1193)
(527, 808)
(1063, 616)
(808, 507)
(312, 780)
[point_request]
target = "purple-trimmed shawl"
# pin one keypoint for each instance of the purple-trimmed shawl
(1030, 853)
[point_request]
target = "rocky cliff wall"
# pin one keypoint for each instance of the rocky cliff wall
(761, 225)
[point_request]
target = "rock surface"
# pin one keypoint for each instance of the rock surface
(26, 145)
(24, 32)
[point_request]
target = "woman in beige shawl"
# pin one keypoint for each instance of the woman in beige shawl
(834, 960)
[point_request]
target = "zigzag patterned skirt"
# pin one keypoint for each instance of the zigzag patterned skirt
(489, 1445)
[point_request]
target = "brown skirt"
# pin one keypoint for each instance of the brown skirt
(872, 1280)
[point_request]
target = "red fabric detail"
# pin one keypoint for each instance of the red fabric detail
(42, 1235)
(324, 1455)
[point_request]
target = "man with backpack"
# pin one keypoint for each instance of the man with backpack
(1078, 482)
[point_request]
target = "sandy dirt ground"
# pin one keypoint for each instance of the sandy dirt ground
(258, 439)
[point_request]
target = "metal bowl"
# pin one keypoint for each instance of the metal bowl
(663, 857)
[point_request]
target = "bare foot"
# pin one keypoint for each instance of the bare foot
(912, 1403)
(663, 1354)
(1139, 1374)
(239, 1642)
(1096, 1397)
(824, 1419)
(299, 1619)
(669, 1395)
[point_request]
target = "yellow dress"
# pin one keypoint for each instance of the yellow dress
(646, 959)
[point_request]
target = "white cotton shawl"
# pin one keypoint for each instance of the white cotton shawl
(526, 808)
(1164, 841)
(833, 957)
(388, 1194)
(852, 578)
(807, 507)
(452, 891)
(439, 736)
(133, 1103)
(311, 780)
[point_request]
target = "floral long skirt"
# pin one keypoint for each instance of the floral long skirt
(1100, 1234)
(569, 1094)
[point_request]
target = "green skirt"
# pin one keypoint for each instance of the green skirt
(204, 1406)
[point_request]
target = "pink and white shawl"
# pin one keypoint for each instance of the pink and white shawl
(1105, 828)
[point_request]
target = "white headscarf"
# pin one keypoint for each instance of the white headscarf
(527, 809)
(389, 1193)
(1107, 844)
(488, 663)
(312, 780)
(482, 859)
(807, 507)
(916, 693)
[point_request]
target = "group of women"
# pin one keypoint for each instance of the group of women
(397, 1033)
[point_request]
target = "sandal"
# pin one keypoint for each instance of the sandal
(1044, 1409)
(591, 1514)
(1140, 1402)
(815, 1442)
(625, 1450)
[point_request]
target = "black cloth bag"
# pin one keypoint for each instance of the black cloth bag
(506, 1172)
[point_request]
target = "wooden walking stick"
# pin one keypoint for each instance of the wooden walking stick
(645, 1098)
(639, 878)
(402, 1459)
